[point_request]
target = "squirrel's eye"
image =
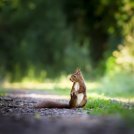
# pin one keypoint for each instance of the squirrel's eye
(74, 76)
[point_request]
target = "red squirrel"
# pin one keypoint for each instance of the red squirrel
(78, 97)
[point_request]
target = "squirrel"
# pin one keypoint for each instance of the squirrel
(78, 97)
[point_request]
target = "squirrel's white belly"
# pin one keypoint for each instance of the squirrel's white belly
(79, 98)
(76, 86)
(80, 95)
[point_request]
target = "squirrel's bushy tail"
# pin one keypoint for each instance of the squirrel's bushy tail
(51, 104)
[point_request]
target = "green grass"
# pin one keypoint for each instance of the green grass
(113, 96)
(96, 106)
(120, 85)
(2, 92)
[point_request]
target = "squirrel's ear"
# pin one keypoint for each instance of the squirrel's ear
(77, 70)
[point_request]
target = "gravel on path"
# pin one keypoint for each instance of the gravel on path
(18, 116)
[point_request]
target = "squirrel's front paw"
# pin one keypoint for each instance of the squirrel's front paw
(74, 94)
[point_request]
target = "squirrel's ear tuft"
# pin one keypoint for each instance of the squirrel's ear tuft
(77, 70)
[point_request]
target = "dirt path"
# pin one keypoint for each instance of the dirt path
(17, 115)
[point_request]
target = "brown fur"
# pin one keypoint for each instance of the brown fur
(51, 104)
(76, 77)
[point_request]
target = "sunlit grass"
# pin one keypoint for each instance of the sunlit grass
(119, 88)
(113, 96)
(2, 92)
(111, 107)
(97, 106)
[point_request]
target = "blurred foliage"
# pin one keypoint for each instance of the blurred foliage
(123, 58)
(40, 39)
(125, 55)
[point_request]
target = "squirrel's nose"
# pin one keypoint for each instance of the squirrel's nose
(71, 80)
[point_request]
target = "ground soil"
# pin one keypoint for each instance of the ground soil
(18, 116)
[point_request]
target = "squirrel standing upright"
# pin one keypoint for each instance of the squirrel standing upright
(78, 94)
